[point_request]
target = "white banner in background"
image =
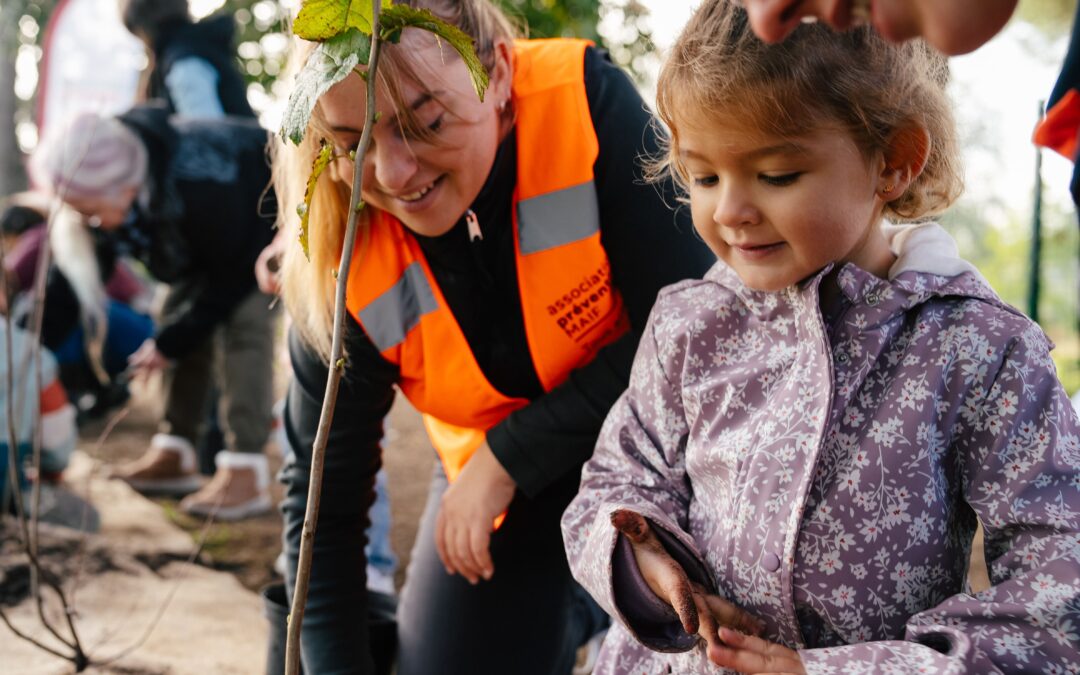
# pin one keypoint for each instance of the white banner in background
(91, 63)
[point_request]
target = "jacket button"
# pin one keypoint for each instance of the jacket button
(842, 357)
(771, 562)
(872, 299)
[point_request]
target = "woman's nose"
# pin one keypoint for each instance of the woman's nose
(394, 163)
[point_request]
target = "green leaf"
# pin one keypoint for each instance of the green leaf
(395, 18)
(330, 63)
(322, 160)
(320, 20)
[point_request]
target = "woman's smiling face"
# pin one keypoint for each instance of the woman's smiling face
(427, 183)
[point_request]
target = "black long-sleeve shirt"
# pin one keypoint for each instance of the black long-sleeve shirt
(649, 246)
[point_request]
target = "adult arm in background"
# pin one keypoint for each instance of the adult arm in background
(334, 637)
(649, 244)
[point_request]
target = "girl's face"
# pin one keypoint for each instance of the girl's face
(950, 26)
(778, 209)
(427, 185)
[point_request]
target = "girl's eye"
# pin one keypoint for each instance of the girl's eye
(437, 124)
(779, 180)
(705, 181)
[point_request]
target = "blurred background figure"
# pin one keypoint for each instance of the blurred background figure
(193, 72)
(96, 309)
(58, 433)
(188, 198)
(193, 64)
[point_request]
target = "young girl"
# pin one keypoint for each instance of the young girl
(813, 431)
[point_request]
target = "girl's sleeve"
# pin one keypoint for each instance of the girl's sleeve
(1021, 473)
(638, 465)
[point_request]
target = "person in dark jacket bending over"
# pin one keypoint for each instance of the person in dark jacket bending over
(188, 198)
(511, 255)
(193, 64)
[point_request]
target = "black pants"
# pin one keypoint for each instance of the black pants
(528, 619)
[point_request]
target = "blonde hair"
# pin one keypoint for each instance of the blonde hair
(817, 77)
(308, 286)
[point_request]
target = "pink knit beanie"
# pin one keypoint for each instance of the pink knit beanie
(92, 157)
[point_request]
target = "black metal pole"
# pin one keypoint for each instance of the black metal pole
(1036, 235)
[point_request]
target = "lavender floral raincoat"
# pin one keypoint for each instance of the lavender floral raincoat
(820, 456)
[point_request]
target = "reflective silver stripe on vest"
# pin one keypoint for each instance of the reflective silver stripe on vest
(557, 218)
(394, 313)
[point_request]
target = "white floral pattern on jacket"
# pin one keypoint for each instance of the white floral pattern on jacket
(828, 462)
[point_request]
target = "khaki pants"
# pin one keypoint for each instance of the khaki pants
(239, 356)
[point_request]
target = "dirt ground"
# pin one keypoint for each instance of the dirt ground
(248, 548)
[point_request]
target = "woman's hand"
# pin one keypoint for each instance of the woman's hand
(699, 611)
(481, 493)
(146, 359)
(753, 655)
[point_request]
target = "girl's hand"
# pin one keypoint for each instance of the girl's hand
(698, 611)
(481, 493)
(753, 655)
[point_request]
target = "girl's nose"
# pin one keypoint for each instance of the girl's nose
(734, 208)
(394, 163)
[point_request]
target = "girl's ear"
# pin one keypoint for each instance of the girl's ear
(904, 159)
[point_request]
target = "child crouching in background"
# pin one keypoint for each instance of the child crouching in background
(813, 431)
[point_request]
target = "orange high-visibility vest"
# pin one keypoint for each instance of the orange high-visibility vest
(570, 307)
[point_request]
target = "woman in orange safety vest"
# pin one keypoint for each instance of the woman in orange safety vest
(511, 252)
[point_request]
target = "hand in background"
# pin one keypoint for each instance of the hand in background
(481, 493)
(699, 611)
(146, 359)
(268, 267)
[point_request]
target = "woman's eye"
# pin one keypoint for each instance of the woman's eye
(437, 124)
(779, 180)
(705, 181)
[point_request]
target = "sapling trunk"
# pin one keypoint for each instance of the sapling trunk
(333, 380)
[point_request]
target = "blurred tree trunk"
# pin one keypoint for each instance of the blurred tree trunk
(12, 173)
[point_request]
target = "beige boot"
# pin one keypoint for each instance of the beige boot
(167, 468)
(239, 489)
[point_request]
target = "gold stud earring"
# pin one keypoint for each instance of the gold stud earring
(888, 189)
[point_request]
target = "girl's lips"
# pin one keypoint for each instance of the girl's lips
(757, 252)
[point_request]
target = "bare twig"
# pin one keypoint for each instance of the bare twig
(13, 464)
(80, 554)
(31, 640)
(207, 526)
(333, 380)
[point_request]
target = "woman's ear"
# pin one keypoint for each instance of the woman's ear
(502, 73)
(904, 159)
